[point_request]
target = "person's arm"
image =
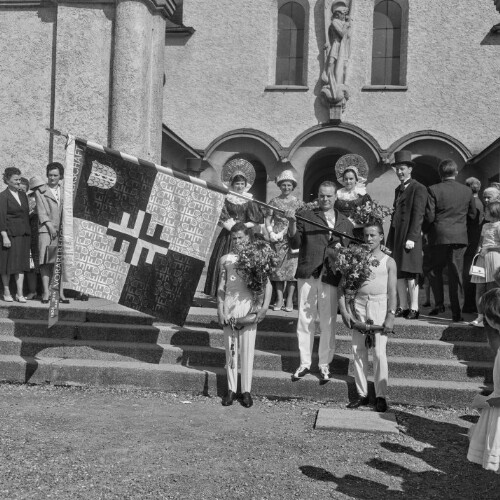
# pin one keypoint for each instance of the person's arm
(261, 313)
(472, 211)
(43, 215)
(418, 211)
(254, 215)
(346, 316)
(430, 209)
(391, 295)
(221, 292)
(3, 222)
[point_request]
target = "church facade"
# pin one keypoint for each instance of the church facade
(285, 84)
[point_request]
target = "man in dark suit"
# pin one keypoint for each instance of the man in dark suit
(473, 235)
(405, 234)
(316, 284)
(449, 207)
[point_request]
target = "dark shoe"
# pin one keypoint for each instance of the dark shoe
(381, 405)
(437, 310)
(64, 301)
(228, 399)
(426, 304)
(413, 314)
(359, 402)
(301, 371)
(247, 400)
(457, 319)
(402, 313)
(45, 301)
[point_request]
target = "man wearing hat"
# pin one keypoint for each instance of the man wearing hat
(405, 234)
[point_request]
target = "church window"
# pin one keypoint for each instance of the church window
(387, 47)
(290, 44)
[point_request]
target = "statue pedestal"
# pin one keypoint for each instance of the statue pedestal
(336, 113)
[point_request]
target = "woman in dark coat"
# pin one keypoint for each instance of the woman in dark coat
(16, 234)
(239, 174)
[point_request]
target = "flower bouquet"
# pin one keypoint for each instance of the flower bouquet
(256, 262)
(371, 211)
(354, 263)
(307, 206)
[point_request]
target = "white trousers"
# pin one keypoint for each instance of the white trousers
(374, 308)
(317, 304)
(244, 343)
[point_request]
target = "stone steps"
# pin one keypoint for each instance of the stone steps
(212, 381)
(430, 362)
(194, 356)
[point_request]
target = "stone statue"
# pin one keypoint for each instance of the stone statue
(336, 55)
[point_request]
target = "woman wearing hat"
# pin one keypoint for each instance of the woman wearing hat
(352, 172)
(277, 228)
(239, 174)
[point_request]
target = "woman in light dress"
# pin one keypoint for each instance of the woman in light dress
(277, 229)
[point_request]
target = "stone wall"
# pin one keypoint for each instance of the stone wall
(216, 79)
(26, 38)
(54, 72)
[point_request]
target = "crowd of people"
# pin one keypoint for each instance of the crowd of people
(447, 216)
(457, 228)
(30, 220)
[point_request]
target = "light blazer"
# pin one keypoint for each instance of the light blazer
(14, 218)
(450, 206)
(313, 242)
(47, 208)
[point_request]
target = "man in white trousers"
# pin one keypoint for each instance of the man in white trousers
(316, 282)
(375, 302)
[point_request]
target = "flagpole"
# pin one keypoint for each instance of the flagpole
(194, 180)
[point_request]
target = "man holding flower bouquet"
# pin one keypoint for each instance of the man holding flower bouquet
(373, 306)
(316, 283)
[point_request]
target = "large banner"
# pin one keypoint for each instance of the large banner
(138, 234)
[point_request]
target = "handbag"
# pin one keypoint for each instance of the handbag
(476, 270)
(50, 254)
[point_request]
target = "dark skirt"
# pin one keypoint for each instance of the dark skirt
(222, 247)
(16, 259)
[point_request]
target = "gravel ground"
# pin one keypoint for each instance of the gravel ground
(95, 443)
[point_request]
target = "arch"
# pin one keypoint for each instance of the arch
(348, 130)
(389, 42)
(266, 140)
(428, 149)
(431, 135)
(264, 152)
(315, 152)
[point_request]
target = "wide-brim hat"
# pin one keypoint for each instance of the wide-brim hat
(238, 166)
(286, 175)
(36, 182)
(352, 162)
(402, 157)
(339, 5)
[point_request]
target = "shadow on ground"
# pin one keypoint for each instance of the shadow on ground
(444, 450)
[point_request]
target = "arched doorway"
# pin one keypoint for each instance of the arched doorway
(320, 168)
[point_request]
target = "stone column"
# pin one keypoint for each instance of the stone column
(137, 80)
